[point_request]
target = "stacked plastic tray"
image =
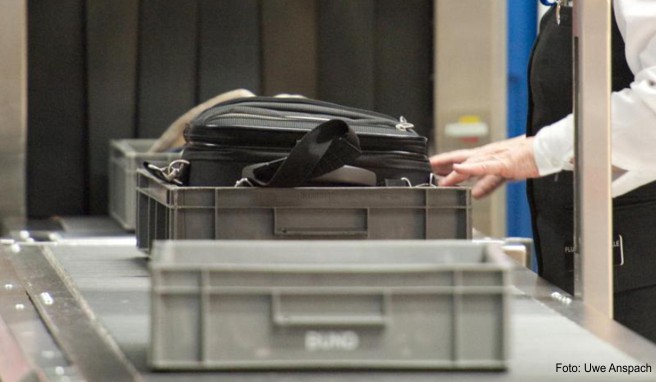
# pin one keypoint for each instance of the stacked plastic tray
(303, 278)
(168, 212)
(126, 156)
(329, 304)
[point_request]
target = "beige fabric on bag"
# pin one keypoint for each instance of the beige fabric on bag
(173, 136)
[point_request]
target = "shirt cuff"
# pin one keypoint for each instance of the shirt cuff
(554, 147)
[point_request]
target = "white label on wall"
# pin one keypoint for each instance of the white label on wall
(331, 340)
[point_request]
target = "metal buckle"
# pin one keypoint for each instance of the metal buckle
(244, 182)
(432, 182)
(172, 172)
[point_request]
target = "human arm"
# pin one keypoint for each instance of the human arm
(633, 120)
(492, 164)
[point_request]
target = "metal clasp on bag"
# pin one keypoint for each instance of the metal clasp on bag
(244, 182)
(404, 125)
(170, 173)
(432, 182)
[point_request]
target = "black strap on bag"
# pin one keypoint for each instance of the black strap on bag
(327, 147)
(324, 152)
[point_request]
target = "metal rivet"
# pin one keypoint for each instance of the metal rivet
(46, 298)
(19, 306)
(9, 286)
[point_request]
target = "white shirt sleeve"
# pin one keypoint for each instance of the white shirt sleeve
(633, 117)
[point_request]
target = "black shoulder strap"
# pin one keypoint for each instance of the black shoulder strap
(325, 148)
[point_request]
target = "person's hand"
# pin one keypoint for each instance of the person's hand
(491, 164)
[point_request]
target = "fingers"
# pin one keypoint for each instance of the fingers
(480, 166)
(486, 185)
(510, 159)
(452, 179)
(458, 166)
(515, 161)
(484, 166)
(482, 188)
(442, 164)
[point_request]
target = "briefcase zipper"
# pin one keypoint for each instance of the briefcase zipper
(271, 118)
(216, 149)
(268, 136)
(298, 105)
(402, 124)
(402, 121)
(400, 128)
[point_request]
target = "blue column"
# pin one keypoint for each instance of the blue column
(522, 29)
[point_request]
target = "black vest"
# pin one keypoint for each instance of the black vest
(550, 73)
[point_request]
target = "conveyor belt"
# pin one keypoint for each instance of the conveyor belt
(112, 278)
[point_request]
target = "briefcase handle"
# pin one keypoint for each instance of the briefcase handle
(324, 149)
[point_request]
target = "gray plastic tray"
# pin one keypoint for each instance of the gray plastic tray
(329, 304)
(126, 156)
(168, 212)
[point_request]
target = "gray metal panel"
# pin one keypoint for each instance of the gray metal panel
(346, 58)
(593, 204)
(229, 47)
(26, 346)
(13, 107)
(289, 47)
(56, 164)
(111, 81)
(404, 38)
(87, 345)
(167, 63)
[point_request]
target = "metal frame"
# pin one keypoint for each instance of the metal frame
(92, 352)
(13, 107)
(593, 203)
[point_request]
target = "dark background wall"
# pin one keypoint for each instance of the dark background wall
(112, 69)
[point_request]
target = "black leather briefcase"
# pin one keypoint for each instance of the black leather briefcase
(289, 142)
